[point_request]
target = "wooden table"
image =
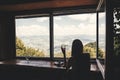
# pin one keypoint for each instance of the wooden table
(30, 70)
(39, 63)
(32, 63)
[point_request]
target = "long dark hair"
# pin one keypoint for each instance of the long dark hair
(77, 48)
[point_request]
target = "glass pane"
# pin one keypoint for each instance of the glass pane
(32, 37)
(102, 29)
(77, 26)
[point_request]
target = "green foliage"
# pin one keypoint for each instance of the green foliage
(101, 53)
(22, 50)
(91, 44)
(88, 48)
(91, 49)
(19, 44)
(116, 31)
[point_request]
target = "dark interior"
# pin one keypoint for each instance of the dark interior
(11, 69)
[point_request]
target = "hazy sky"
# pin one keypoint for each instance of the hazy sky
(63, 25)
(82, 25)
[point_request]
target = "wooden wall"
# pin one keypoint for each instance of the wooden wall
(7, 36)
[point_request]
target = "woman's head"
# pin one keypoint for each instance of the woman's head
(77, 48)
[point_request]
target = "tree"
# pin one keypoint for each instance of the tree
(88, 48)
(91, 48)
(22, 50)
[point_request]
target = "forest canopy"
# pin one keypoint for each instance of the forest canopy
(22, 50)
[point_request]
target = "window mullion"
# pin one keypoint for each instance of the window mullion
(97, 35)
(51, 37)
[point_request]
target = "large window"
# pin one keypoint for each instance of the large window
(33, 35)
(77, 26)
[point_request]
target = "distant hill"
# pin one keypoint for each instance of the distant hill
(91, 48)
(91, 44)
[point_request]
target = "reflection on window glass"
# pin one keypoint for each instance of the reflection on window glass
(77, 26)
(32, 37)
(101, 52)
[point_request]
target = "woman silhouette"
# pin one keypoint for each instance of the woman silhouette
(78, 65)
(77, 50)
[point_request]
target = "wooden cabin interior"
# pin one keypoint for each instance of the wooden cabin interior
(16, 67)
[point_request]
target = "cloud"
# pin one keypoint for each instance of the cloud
(42, 19)
(81, 17)
(33, 30)
(58, 18)
(82, 29)
(102, 15)
(102, 24)
(85, 28)
(102, 29)
(92, 19)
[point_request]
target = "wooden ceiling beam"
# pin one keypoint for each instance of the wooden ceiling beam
(48, 4)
